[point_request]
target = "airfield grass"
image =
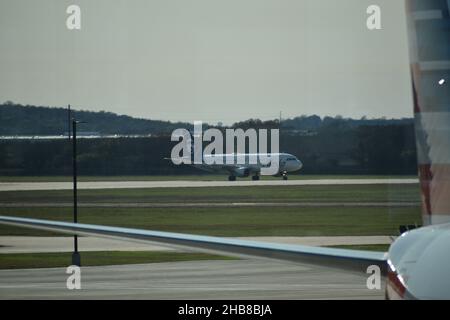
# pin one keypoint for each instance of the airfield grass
(199, 177)
(230, 221)
(233, 222)
(99, 258)
(221, 221)
(319, 193)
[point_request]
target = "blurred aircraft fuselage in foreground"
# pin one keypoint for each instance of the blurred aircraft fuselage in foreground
(285, 163)
(419, 261)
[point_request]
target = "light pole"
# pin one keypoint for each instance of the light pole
(76, 259)
(69, 117)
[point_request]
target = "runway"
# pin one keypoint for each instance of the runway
(31, 186)
(237, 279)
(25, 244)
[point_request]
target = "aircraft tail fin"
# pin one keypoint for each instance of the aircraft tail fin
(431, 96)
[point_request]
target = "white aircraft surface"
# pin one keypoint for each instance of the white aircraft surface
(229, 164)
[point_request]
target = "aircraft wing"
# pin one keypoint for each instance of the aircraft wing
(352, 260)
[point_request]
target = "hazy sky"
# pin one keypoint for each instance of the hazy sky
(210, 60)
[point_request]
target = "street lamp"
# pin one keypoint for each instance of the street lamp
(69, 117)
(76, 259)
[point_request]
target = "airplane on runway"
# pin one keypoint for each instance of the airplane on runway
(238, 164)
(417, 264)
(286, 163)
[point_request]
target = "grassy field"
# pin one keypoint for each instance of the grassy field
(335, 220)
(231, 221)
(98, 258)
(247, 221)
(336, 193)
(199, 177)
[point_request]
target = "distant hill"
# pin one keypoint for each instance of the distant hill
(325, 145)
(16, 119)
(315, 122)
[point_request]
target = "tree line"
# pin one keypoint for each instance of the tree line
(16, 119)
(328, 145)
(333, 149)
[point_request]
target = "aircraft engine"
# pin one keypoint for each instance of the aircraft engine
(242, 172)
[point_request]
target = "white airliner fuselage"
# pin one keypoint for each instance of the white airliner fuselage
(244, 165)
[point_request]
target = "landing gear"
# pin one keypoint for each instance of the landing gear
(255, 177)
(285, 177)
(231, 178)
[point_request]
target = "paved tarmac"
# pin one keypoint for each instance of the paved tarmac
(237, 279)
(29, 186)
(24, 244)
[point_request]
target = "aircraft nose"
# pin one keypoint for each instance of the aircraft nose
(294, 165)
